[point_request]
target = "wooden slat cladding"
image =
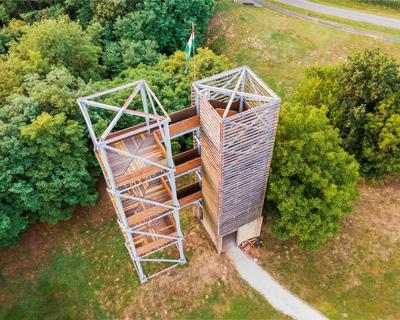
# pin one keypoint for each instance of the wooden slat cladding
(236, 153)
(210, 133)
(247, 145)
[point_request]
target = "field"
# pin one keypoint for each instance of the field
(279, 47)
(357, 275)
(80, 269)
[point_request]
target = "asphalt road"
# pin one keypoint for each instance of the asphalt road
(343, 13)
(321, 22)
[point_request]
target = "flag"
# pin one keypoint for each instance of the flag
(189, 48)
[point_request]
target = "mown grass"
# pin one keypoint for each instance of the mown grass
(80, 269)
(357, 276)
(90, 277)
(280, 47)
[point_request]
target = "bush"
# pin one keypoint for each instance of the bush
(313, 180)
(361, 98)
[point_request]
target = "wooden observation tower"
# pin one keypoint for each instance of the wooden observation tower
(238, 120)
(233, 119)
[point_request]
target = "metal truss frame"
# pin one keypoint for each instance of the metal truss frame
(157, 118)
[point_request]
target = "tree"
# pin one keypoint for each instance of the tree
(381, 143)
(207, 63)
(11, 31)
(14, 161)
(313, 180)
(57, 92)
(35, 183)
(127, 53)
(59, 43)
(168, 23)
(369, 77)
(59, 169)
(356, 95)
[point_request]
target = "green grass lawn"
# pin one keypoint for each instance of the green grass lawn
(80, 269)
(279, 47)
(357, 276)
(365, 7)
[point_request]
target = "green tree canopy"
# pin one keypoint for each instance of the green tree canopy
(59, 43)
(313, 180)
(58, 172)
(168, 23)
(57, 92)
(14, 160)
(361, 99)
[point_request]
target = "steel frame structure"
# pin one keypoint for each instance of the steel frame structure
(102, 148)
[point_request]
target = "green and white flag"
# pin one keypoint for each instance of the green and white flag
(189, 49)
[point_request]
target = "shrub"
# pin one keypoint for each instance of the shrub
(313, 180)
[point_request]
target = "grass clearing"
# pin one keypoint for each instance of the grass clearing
(357, 276)
(80, 269)
(279, 47)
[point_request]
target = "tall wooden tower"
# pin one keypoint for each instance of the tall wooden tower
(238, 120)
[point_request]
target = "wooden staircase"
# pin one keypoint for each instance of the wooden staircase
(146, 195)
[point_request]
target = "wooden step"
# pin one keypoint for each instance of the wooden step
(131, 178)
(190, 198)
(156, 192)
(188, 166)
(181, 127)
(148, 214)
(155, 244)
(184, 126)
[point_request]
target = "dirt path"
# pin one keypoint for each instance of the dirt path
(280, 298)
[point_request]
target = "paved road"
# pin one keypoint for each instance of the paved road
(343, 13)
(322, 22)
(279, 297)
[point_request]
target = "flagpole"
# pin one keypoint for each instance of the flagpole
(194, 55)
